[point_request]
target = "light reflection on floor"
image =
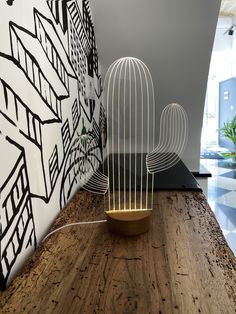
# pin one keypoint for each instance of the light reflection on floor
(222, 196)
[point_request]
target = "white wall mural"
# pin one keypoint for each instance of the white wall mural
(50, 90)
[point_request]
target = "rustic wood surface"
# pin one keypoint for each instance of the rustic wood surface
(182, 265)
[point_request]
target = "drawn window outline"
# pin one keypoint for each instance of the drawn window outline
(53, 166)
(75, 114)
(65, 132)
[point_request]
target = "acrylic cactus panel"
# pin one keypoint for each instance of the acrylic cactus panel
(130, 109)
(132, 158)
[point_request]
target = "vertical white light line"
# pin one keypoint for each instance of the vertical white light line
(173, 130)
(124, 134)
(108, 77)
(113, 136)
(108, 144)
(154, 130)
(130, 133)
(118, 117)
(175, 137)
(144, 68)
(141, 170)
(186, 127)
(182, 134)
(153, 126)
(135, 136)
(185, 123)
(165, 136)
(168, 125)
(148, 139)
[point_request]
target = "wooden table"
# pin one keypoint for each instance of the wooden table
(182, 265)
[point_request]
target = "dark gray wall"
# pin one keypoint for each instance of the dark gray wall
(174, 39)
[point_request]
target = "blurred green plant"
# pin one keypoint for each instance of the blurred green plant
(229, 130)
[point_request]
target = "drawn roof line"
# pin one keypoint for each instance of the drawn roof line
(34, 48)
(52, 33)
(10, 164)
(77, 19)
(19, 79)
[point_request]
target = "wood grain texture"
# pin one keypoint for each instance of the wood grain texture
(182, 265)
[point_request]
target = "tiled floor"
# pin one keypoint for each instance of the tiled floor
(222, 196)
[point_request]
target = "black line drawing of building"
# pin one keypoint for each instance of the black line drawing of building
(82, 162)
(40, 67)
(89, 30)
(50, 74)
(93, 66)
(102, 127)
(10, 2)
(82, 50)
(53, 47)
(17, 221)
(58, 9)
(81, 47)
(22, 119)
(44, 93)
(25, 48)
(78, 44)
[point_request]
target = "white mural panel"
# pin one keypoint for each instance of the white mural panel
(50, 90)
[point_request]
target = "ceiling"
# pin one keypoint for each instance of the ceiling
(228, 8)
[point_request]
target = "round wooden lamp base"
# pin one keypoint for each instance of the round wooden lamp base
(128, 222)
